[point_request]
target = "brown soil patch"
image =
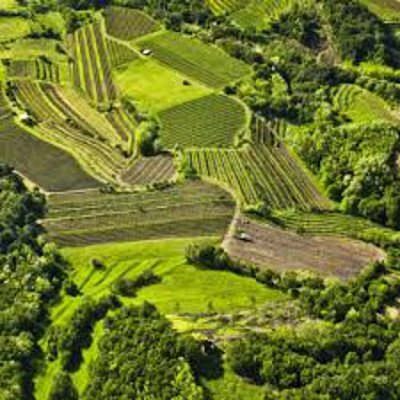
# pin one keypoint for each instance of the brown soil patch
(276, 248)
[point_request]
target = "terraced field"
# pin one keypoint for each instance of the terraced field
(120, 53)
(128, 24)
(67, 121)
(204, 63)
(92, 66)
(213, 120)
(150, 170)
(260, 173)
(192, 209)
(42, 163)
(363, 106)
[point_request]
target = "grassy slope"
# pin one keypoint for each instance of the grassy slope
(183, 289)
(155, 86)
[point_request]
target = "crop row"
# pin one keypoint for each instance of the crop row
(213, 120)
(128, 24)
(123, 124)
(77, 132)
(178, 211)
(205, 63)
(150, 170)
(260, 173)
(120, 53)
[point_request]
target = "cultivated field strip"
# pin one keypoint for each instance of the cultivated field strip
(150, 170)
(34, 69)
(92, 69)
(44, 164)
(120, 53)
(191, 57)
(192, 209)
(260, 173)
(213, 120)
(128, 24)
(328, 255)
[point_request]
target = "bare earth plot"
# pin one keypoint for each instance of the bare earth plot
(276, 248)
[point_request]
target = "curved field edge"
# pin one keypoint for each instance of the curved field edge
(183, 289)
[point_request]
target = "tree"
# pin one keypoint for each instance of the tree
(63, 388)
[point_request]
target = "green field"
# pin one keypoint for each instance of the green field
(183, 289)
(214, 120)
(204, 63)
(155, 87)
(190, 209)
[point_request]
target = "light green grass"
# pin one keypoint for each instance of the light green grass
(8, 4)
(205, 63)
(184, 288)
(12, 28)
(33, 48)
(155, 86)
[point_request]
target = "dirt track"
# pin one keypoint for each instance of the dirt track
(276, 248)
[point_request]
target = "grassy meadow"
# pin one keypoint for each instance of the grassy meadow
(154, 86)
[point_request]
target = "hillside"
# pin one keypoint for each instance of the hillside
(200, 200)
